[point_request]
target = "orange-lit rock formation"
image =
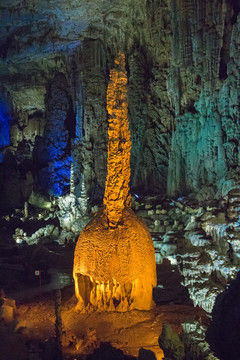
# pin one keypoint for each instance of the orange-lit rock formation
(114, 261)
(117, 195)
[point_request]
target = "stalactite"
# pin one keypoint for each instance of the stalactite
(72, 185)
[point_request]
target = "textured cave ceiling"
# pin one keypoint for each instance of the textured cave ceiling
(34, 31)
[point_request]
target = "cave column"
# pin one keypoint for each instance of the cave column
(117, 195)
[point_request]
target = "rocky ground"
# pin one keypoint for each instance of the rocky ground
(135, 333)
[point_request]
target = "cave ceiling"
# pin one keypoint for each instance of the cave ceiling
(35, 33)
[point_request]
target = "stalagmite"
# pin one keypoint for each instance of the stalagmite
(114, 261)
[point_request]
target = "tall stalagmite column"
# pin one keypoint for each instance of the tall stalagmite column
(114, 260)
(117, 195)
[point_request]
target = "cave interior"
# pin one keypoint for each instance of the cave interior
(182, 101)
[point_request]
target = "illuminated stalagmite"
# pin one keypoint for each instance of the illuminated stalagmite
(114, 261)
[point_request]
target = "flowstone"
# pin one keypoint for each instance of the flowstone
(114, 261)
(114, 268)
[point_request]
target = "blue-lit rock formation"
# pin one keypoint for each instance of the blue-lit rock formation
(5, 123)
(52, 152)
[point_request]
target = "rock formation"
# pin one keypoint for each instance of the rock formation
(114, 261)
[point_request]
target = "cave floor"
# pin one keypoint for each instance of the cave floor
(131, 332)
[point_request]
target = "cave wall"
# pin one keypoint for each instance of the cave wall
(183, 68)
(203, 84)
(52, 151)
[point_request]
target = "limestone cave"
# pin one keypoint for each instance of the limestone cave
(119, 179)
